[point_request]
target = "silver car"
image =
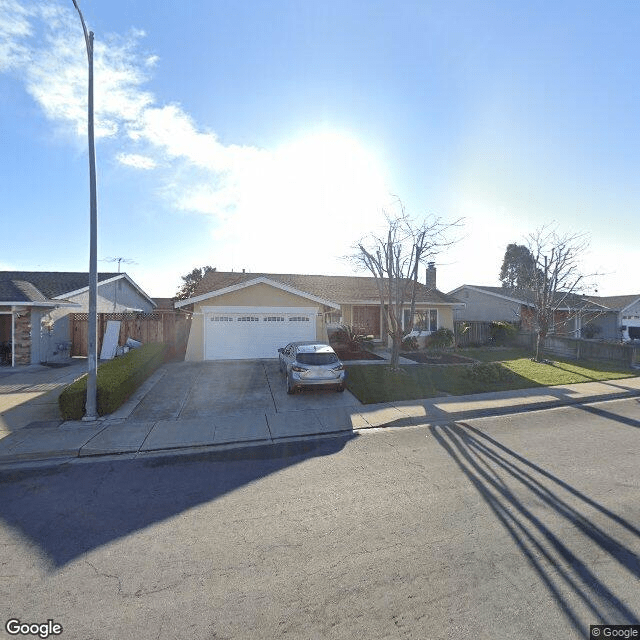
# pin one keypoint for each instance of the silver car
(311, 364)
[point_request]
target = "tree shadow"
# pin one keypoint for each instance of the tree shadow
(73, 509)
(609, 415)
(508, 483)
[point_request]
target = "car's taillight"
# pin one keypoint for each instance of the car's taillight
(338, 368)
(298, 369)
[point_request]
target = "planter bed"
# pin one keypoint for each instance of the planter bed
(425, 357)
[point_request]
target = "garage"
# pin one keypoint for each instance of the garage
(235, 334)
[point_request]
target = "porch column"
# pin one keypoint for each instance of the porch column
(13, 337)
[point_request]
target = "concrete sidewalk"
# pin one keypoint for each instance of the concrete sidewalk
(123, 433)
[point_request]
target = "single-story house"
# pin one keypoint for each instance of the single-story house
(623, 323)
(250, 315)
(500, 304)
(35, 308)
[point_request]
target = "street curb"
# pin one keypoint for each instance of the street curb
(224, 449)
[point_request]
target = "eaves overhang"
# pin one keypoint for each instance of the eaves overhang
(254, 281)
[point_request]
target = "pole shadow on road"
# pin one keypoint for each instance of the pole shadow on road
(508, 483)
(72, 509)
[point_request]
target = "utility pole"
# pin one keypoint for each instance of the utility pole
(92, 338)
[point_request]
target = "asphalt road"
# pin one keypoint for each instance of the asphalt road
(518, 527)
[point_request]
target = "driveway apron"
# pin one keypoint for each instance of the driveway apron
(230, 388)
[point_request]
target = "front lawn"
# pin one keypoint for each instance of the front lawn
(375, 383)
(494, 354)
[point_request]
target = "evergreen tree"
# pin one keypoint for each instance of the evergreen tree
(191, 281)
(518, 268)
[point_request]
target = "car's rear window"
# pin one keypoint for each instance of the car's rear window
(317, 358)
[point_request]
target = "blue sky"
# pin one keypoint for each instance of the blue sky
(271, 135)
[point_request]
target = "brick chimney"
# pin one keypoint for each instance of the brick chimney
(430, 279)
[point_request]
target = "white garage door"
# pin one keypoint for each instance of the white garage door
(251, 334)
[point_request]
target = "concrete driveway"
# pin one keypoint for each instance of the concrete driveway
(230, 387)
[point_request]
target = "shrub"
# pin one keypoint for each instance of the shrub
(440, 339)
(117, 380)
(346, 335)
(488, 373)
(410, 343)
(502, 333)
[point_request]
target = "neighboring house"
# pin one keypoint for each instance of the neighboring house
(35, 308)
(250, 315)
(623, 323)
(499, 304)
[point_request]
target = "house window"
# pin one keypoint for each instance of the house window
(299, 319)
(433, 319)
(248, 319)
(423, 320)
(221, 319)
(273, 319)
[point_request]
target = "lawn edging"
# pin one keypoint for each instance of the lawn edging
(117, 379)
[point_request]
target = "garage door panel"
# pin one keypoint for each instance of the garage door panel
(254, 335)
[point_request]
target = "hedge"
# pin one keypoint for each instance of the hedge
(117, 380)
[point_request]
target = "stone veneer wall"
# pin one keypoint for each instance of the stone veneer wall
(23, 338)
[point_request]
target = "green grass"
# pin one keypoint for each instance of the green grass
(376, 383)
(495, 354)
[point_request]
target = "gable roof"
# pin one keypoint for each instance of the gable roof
(566, 300)
(52, 287)
(616, 303)
(330, 290)
(15, 292)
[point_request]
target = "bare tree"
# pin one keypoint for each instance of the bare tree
(557, 279)
(393, 261)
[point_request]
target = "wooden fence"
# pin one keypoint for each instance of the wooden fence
(471, 333)
(575, 348)
(162, 326)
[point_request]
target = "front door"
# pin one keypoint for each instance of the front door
(366, 320)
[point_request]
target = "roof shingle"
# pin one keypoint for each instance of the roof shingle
(339, 289)
(50, 284)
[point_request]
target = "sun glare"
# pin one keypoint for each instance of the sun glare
(326, 181)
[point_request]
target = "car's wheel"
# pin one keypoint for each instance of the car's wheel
(340, 388)
(290, 390)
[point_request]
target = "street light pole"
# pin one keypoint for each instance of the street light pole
(92, 342)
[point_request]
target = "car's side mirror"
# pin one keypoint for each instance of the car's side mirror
(280, 350)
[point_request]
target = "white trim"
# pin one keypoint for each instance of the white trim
(625, 308)
(254, 281)
(270, 310)
(55, 305)
(371, 303)
(108, 281)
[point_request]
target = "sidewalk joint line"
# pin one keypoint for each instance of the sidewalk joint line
(264, 368)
